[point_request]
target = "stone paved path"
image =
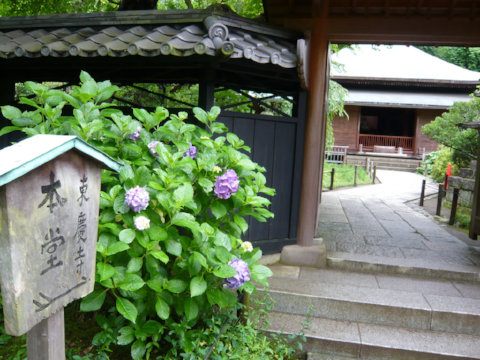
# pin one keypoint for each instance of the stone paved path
(382, 220)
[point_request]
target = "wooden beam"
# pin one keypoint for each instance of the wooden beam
(314, 131)
(411, 30)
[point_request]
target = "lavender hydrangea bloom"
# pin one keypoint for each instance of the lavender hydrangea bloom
(137, 198)
(192, 151)
(136, 135)
(152, 147)
(243, 274)
(226, 184)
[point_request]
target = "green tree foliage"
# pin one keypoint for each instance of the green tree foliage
(246, 8)
(39, 7)
(468, 58)
(445, 131)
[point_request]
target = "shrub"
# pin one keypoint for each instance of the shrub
(171, 221)
(439, 161)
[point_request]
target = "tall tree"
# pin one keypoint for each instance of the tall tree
(468, 58)
(247, 8)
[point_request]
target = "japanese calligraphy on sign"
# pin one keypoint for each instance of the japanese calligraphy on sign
(53, 246)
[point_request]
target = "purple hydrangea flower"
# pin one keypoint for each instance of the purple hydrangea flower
(136, 135)
(243, 274)
(137, 198)
(192, 151)
(226, 184)
(152, 147)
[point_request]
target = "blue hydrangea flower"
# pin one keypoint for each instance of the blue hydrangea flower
(137, 198)
(136, 135)
(152, 147)
(226, 184)
(243, 274)
(192, 152)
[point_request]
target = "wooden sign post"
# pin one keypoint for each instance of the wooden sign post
(49, 201)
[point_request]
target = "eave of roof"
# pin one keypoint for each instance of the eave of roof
(147, 33)
(403, 99)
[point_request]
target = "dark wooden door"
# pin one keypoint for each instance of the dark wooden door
(276, 144)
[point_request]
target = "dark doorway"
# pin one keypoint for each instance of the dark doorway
(387, 121)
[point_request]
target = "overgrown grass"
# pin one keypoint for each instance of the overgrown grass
(462, 216)
(344, 175)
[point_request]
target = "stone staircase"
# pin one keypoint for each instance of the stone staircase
(385, 162)
(367, 308)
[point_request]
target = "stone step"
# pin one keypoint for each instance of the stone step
(378, 299)
(323, 356)
(346, 339)
(411, 267)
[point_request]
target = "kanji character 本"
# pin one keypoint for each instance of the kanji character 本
(83, 189)
(52, 194)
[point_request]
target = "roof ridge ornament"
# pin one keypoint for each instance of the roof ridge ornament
(218, 32)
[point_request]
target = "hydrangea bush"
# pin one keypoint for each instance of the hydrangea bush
(169, 252)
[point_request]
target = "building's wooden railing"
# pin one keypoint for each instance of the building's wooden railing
(369, 141)
(337, 154)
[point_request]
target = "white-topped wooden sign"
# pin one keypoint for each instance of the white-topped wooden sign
(49, 203)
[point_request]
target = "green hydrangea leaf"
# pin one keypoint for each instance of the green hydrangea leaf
(138, 350)
(224, 271)
(116, 247)
(105, 271)
(162, 309)
(131, 282)
(126, 309)
(126, 236)
(134, 265)
(126, 335)
(160, 255)
(11, 112)
(218, 209)
(261, 272)
(206, 184)
(197, 286)
(156, 283)
(157, 233)
(183, 194)
(174, 247)
(93, 301)
(176, 286)
(191, 309)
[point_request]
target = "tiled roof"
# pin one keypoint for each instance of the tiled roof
(211, 37)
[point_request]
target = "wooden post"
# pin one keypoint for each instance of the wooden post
(315, 129)
(453, 212)
(46, 340)
(439, 200)
(355, 177)
(422, 193)
(374, 173)
(332, 177)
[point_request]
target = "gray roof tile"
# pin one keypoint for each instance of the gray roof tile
(212, 37)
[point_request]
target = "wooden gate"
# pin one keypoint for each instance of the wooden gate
(277, 145)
